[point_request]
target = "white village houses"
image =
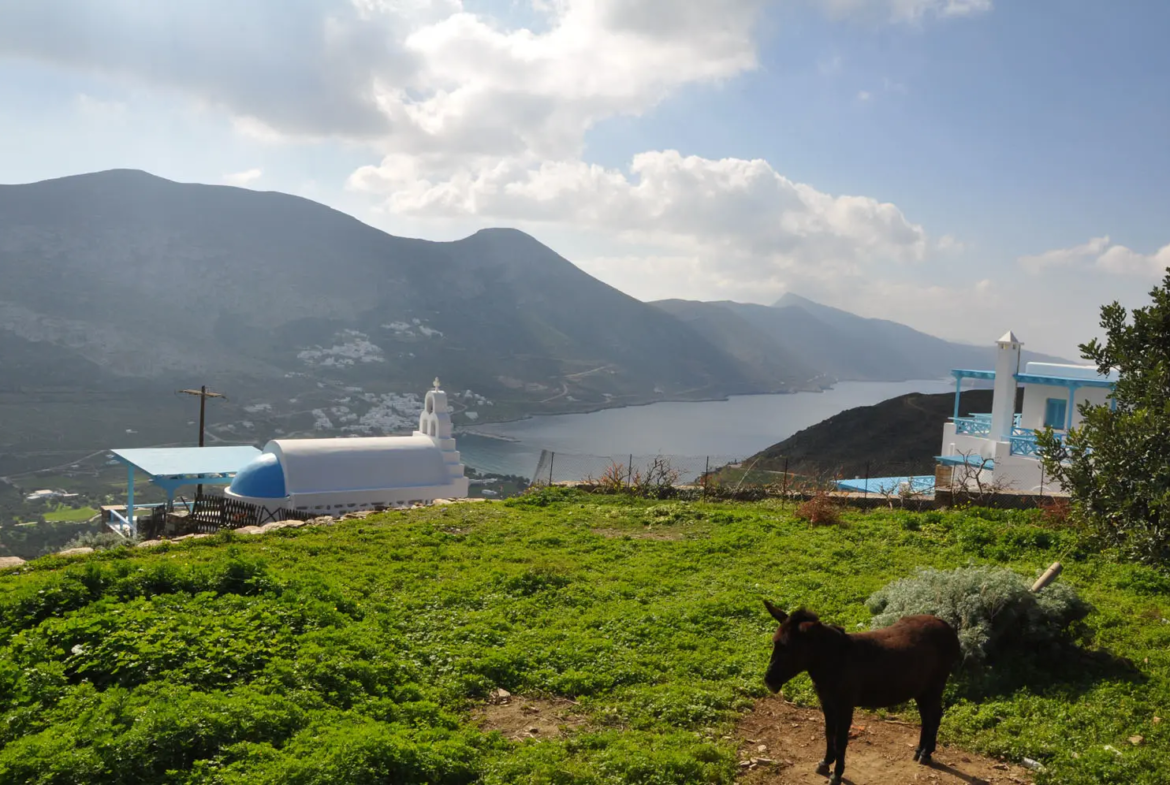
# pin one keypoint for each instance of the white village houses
(335, 475)
(998, 448)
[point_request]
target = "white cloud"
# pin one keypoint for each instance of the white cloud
(243, 178)
(476, 119)
(1121, 260)
(1104, 255)
(864, 95)
(417, 76)
(950, 244)
(97, 108)
(905, 11)
(1062, 257)
(737, 217)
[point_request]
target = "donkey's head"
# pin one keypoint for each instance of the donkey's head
(796, 645)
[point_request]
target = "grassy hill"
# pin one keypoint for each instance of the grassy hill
(366, 652)
(893, 438)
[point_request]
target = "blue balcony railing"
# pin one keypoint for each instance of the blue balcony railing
(980, 424)
(972, 426)
(1024, 442)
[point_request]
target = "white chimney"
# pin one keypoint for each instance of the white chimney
(1003, 404)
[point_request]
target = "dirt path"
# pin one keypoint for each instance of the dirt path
(518, 717)
(788, 742)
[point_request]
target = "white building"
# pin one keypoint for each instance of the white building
(337, 475)
(999, 447)
(46, 493)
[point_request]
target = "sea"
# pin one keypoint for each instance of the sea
(730, 429)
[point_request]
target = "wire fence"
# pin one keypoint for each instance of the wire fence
(563, 467)
(727, 476)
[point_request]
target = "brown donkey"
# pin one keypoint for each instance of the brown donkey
(912, 658)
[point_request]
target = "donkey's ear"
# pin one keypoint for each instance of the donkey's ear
(777, 614)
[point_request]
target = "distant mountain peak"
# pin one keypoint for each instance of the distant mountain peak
(502, 231)
(791, 298)
(110, 175)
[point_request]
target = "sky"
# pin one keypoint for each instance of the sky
(962, 166)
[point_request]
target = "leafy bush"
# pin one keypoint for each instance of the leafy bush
(1056, 512)
(820, 510)
(99, 541)
(991, 608)
(1116, 462)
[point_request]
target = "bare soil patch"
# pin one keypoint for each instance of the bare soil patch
(517, 717)
(642, 534)
(787, 742)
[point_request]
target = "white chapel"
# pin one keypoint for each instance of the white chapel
(331, 476)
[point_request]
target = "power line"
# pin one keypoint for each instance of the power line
(203, 396)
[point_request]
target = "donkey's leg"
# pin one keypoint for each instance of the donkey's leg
(936, 712)
(844, 722)
(923, 734)
(830, 740)
(930, 707)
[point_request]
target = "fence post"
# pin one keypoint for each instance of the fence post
(552, 457)
(706, 474)
(1041, 481)
(630, 471)
(865, 487)
(784, 482)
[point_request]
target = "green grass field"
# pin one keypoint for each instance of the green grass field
(355, 653)
(62, 512)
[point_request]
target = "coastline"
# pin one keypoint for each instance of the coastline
(471, 430)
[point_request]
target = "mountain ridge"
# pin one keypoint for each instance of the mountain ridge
(125, 282)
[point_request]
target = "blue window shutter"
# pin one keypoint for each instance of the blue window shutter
(1054, 412)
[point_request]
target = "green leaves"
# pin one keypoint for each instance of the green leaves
(353, 653)
(1116, 464)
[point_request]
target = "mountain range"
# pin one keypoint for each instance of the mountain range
(120, 287)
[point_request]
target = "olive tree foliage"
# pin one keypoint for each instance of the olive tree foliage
(1116, 463)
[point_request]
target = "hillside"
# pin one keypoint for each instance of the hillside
(834, 344)
(128, 286)
(894, 438)
(630, 635)
(121, 287)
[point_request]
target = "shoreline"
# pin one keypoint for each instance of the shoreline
(470, 430)
(473, 431)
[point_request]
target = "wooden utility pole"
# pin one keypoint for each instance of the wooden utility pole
(203, 396)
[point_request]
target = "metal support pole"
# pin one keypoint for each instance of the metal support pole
(552, 456)
(630, 471)
(706, 474)
(866, 486)
(958, 391)
(130, 500)
(785, 480)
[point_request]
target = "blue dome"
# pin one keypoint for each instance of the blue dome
(262, 478)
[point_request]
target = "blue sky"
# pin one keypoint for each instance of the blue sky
(964, 166)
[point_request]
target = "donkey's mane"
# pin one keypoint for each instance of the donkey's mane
(800, 616)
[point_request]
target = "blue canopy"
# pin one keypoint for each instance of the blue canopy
(173, 467)
(183, 462)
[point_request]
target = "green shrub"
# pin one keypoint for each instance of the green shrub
(991, 608)
(99, 541)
